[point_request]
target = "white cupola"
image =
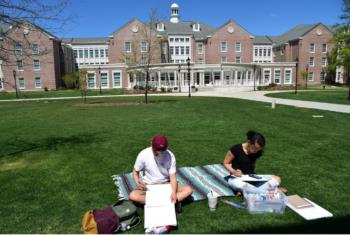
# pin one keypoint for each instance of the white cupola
(174, 13)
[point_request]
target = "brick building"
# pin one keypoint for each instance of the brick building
(228, 56)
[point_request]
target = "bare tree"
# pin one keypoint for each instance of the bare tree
(48, 15)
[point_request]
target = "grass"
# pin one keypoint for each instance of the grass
(327, 96)
(56, 159)
(57, 93)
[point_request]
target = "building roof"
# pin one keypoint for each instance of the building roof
(86, 41)
(185, 28)
(262, 40)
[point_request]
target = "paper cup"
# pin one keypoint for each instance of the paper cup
(212, 200)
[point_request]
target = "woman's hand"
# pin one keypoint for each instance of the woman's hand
(173, 197)
(141, 185)
(237, 173)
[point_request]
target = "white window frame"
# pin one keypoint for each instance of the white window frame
(19, 83)
(127, 50)
(324, 51)
(274, 76)
(290, 78)
(323, 76)
(18, 68)
(34, 65)
(87, 79)
(240, 46)
(1, 83)
(238, 61)
(120, 78)
(18, 49)
(143, 47)
(200, 61)
(269, 79)
(160, 27)
(312, 46)
(100, 75)
(200, 48)
(223, 49)
(312, 77)
(223, 59)
(313, 61)
(35, 52)
(35, 84)
(324, 61)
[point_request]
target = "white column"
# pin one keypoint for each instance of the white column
(175, 78)
(158, 73)
(222, 77)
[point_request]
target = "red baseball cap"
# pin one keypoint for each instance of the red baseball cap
(159, 143)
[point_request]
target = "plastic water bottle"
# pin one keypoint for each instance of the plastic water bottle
(158, 230)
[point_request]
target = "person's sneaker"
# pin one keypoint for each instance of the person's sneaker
(178, 207)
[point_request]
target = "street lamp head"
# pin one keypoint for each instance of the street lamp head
(307, 66)
(99, 70)
(297, 60)
(14, 73)
(188, 61)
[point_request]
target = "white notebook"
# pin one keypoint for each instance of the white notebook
(159, 210)
(310, 213)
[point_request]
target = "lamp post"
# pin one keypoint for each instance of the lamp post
(296, 75)
(254, 67)
(14, 78)
(179, 77)
(99, 76)
(307, 74)
(324, 78)
(349, 81)
(189, 76)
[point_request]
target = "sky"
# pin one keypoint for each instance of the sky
(99, 18)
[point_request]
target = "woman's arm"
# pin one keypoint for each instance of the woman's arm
(227, 164)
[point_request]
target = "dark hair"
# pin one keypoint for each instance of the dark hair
(255, 137)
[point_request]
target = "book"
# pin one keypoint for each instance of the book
(159, 210)
(311, 213)
(298, 202)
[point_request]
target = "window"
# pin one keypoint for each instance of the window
(238, 59)
(256, 52)
(312, 47)
(238, 47)
(187, 50)
(75, 53)
(86, 53)
(282, 51)
(223, 46)
(324, 48)
(182, 50)
(81, 53)
(104, 80)
(106, 52)
(182, 40)
(91, 80)
(267, 75)
(91, 52)
(200, 48)
(20, 65)
(310, 77)
(102, 53)
(223, 59)
(1, 84)
(35, 49)
(143, 61)
(312, 62)
(322, 76)
(269, 52)
(265, 52)
(277, 76)
(160, 27)
(324, 61)
(171, 50)
(18, 49)
(187, 40)
(21, 83)
(144, 46)
(127, 46)
(287, 76)
(36, 65)
(176, 50)
(97, 54)
(116, 79)
(196, 27)
(200, 61)
(37, 82)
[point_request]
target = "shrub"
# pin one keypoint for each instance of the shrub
(169, 90)
(46, 89)
(163, 89)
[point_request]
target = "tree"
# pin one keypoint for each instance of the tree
(342, 41)
(82, 74)
(48, 15)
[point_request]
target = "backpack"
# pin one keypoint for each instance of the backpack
(121, 216)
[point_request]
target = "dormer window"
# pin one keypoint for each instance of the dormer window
(160, 27)
(196, 27)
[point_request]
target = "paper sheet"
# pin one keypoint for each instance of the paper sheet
(251, 179)
(311, 213)
(159, 210)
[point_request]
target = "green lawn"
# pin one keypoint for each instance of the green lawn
(56, 159)
(339, 96)
(57, 93)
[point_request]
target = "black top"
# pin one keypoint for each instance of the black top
(243, 161)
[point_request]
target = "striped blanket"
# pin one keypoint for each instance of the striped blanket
(202, 179)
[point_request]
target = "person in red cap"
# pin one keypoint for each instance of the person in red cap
(156, 165)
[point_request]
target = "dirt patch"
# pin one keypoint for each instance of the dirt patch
(92, 105)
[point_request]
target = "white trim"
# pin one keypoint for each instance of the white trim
(2, 84)
(240, 47)
(19, 84)
(313, 61)
(269, 70)
(36, 69)
(291, 76)
(314, 47)
(326, 48)
(106, 72)
(221, 43)
(37, 87)
(87, 79)
(312, 77)
(274, 76)
(120, 78)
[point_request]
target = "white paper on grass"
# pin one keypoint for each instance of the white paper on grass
(159, 210)
(311, 213)
(251, 179)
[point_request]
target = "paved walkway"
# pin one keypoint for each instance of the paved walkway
(247, 95)
(259, 96)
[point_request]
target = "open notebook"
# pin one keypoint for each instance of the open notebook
(159, 210)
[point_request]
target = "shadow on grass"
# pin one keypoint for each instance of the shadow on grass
(50, 143)
(327, 225)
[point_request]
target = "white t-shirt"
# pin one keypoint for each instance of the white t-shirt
(156, 169)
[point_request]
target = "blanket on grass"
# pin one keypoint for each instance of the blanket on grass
(202, 179)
